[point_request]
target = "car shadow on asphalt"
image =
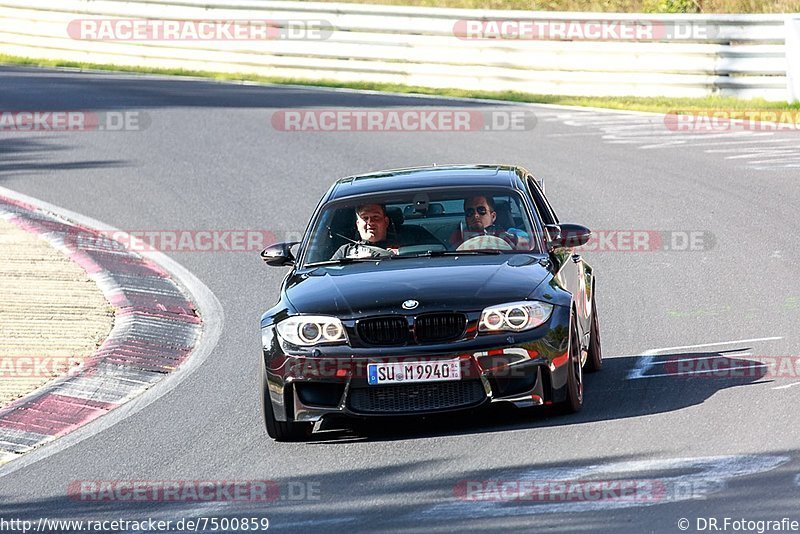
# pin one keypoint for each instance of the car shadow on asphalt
(625, 387)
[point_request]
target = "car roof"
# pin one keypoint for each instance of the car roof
(433, 176)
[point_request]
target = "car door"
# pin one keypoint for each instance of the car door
(570, 269)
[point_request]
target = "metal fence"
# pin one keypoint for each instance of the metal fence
(536, 52)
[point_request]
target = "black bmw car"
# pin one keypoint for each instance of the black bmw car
(426, 290)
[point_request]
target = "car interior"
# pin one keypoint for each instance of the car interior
(415, 225)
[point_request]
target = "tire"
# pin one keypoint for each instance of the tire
(280, 430)
(574, 400)
(594, 359)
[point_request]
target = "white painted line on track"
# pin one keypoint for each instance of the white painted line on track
(643, 364)
(755, 153)
(684, 140)
(587, 134)
(787, 386)
(705, 371)
(647, 360)
(213, 319)
(744, 141)
(738, 355)
(787, 161)
(717, 344)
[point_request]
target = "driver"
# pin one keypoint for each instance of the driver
(480, 214)
(373, 225)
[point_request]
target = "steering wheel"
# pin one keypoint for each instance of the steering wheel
(484, 242)
(378, 252)
(372, 252)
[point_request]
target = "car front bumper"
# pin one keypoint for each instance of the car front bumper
(524, 369)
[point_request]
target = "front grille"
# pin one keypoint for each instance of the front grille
(383, 330)
(411, 398)
(438, 327)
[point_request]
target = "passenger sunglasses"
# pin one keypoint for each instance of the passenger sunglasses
(482, 210)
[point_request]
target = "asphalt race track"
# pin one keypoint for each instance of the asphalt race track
(712, 445)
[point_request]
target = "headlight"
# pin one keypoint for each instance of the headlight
(309, 330)
(514, 316)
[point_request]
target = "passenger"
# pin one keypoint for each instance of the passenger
(480, 217)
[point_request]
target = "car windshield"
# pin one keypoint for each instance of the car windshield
(422, 223)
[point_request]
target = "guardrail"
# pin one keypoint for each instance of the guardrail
(536, 52)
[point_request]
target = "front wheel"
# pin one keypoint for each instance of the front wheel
(594, 361)
(574, 401)
(280, 430)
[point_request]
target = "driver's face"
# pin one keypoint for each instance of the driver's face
(473, 207)
(372, 224)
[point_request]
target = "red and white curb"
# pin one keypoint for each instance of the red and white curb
(158, 324)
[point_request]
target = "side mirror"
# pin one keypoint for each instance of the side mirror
(567, 235)
(279, 254)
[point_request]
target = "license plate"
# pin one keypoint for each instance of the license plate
(397, 373)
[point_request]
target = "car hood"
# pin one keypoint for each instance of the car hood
(466, 283)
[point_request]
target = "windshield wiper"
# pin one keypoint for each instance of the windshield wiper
(438, 253)
(340, 261)
(426, 254)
